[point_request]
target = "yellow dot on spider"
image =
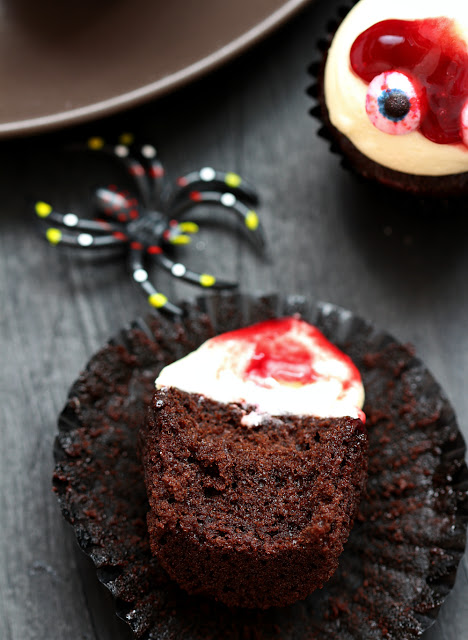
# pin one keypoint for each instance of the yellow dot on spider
(126, 138)
(189, 227)
(43, 209)
(53, 235)
(182, 239)
(157, 300)
(207, 280)
(251, 221)
(232, 180)
(95, 143)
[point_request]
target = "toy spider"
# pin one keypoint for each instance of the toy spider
(148, 225)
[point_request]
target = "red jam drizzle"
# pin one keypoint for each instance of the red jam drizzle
(279, 354)
(434, 55)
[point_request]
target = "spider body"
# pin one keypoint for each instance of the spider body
(146, 225)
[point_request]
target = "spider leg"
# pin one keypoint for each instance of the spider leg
(154, 169)
(121, 152)
(228, 201)
(155, 298)
(179, 270)
(85, 240)
(72, 221)
(94, 233)
(216, 180)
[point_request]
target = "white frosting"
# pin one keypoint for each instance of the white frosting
(218, 368)
(345, 92)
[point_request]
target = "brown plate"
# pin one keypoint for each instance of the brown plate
(401, 558)
(66, 62)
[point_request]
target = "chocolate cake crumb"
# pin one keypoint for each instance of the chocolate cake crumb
(236, 509)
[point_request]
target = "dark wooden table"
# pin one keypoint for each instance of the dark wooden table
(330, 237)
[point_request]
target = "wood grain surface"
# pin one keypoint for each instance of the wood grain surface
(330, 236)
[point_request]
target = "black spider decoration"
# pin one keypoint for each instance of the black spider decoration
(148, 225)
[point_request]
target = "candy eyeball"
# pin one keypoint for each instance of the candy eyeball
(394, 104)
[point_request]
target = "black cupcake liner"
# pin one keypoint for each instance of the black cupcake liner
(401, 559)
(426, 193)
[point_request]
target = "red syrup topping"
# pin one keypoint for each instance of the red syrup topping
(283, 359)
(431, 53)
(280, 353)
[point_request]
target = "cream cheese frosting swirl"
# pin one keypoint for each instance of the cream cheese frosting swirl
(278, 367)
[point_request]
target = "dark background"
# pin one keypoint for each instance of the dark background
(399, 263)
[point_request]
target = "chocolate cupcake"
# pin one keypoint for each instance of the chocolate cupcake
(401, 557)
(263, 487)
(393, 94)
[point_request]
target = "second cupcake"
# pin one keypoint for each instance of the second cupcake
(393, 93)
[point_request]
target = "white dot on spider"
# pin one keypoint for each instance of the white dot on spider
(207, 174)
(178, 270)
(140, 275)
(70, 220)
(85, 239)
(121, 151)
(228, 199)
(148, 151)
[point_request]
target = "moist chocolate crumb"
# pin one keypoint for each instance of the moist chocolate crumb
(236, 509)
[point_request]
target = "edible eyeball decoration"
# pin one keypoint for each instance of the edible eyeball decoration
(402, 55)
(396, 84)
(393, 104)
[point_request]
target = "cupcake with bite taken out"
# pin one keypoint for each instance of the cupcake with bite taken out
(401, 556)
(393, 94)
(255, 460)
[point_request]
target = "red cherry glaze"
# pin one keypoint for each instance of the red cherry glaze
(434, 55)
(280, 354)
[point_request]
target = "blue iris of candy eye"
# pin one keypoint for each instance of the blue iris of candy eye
(394, 104)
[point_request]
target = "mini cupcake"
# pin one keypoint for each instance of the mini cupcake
(393, 94)
(255, 459)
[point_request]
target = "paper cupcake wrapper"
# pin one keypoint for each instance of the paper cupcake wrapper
(401, 559)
